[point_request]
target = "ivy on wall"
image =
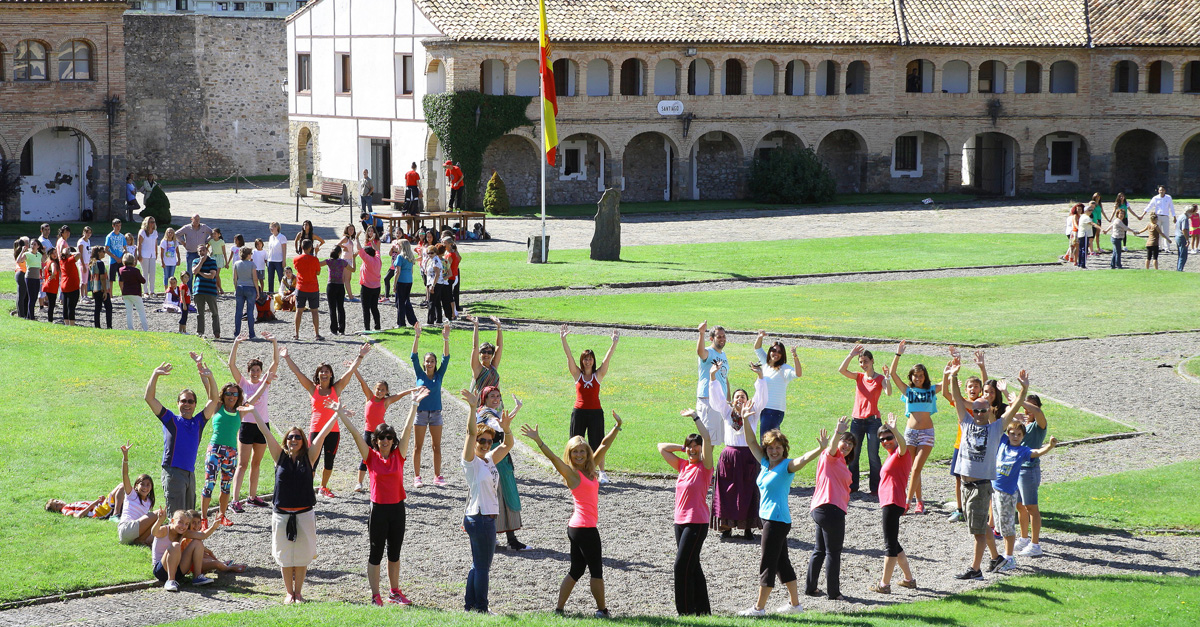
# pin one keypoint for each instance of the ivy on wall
(464, 135)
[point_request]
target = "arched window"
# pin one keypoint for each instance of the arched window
(956, 77)
(1191, 77)
(598, 83)
(857, 78)
(565, 71)
(795, 78)
(665, 74)
(435, 77)
(1161, 79)
(1027, 78)
(632, 81)
(764, 78)
(699, 78)
(827, 78)
(29, 63)
(1062, 77)
(733, 78)
(491, 77)
(528, 78)
(1125, 77)
(75, 61)
(918, 76)
(991, 77)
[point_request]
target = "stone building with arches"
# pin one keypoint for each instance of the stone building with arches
(1025, 96)
(62, 82)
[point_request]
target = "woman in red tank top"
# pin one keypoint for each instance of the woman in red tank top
(587, 418)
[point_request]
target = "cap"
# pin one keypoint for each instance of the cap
(447, 163)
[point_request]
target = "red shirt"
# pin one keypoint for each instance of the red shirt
(387, 477)
(69, 281)
(833, 482)
(587, 392)
(454, 174)
(373, 413)
(411, 178)
(866, 395)
(50, 277)
(307, 268)
(452, 259)
(893, 479)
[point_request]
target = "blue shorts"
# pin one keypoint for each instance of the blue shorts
(1028, 480)
(160, 572)
(953, 459)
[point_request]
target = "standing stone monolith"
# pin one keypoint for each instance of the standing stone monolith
(606, 242)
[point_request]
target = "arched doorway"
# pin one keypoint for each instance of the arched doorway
(845, 152)
(582, 172)
(1139, 162)
(434, 184)
(649, 168)
(718, 167)
(515, 159)
(1190, 181)
(774, 140)
(302, 168)
(989, 164)
(1061, 162)
(58, 175)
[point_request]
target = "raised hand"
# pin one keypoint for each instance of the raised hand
(900, 348)
(617, 419)
(471, 398)
(495, 320)
(823, 439)
(616, 335)
(762, 335)
(887, 372)
(1053, 441)
(196, 357)
(531, 433)
(715, 367)
(891, 422)
(952, 368)
(979, 358)
(241, 338)
(125, 449)
(517, 402)
(1023, 379)
(757, 368)
(446, 330)
(268, 336)
(857, 350)
(283, 352)
(333, 405)
(843, 425)
(564, 331)
(362, 351)
(163, 370)
(420, 394)
(954, 354)
(703, 326)
(689, 412)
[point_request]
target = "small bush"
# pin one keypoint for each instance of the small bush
(495, 199)
(157, 206)
(791, 176)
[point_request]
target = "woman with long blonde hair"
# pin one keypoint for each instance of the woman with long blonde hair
(147, 251)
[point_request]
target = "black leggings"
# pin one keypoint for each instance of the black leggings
(691, 588)
(585, 552)
(775, 558)
(385, 527)
(891, 529)
(336, 293)
(404, 308)
(387, 281)
(102, 300)
(831, 533)
(51, 303)
(588, 423)
(32, 287)
(70, 301)
(328, 447)
(368, 437)
(439, 303)
(22, 294)
(370, 306)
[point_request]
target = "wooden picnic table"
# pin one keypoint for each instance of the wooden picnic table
(439, 218)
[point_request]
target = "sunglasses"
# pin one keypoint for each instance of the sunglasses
(979, 411)
(386, 436)
(295, 436)
(487, 441)
(487, 352)
(187, 401)
(886, 438)
(230, 394)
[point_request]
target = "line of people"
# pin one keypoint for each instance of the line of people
(1085, 224)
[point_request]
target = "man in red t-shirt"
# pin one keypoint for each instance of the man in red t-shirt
(308, 290)
(454, 176)
(412, 192)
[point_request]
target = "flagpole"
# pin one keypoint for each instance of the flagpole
(543, 160)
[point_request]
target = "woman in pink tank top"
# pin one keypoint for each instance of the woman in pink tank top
(579, 467)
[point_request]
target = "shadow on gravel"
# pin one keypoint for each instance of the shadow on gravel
(1158, 567)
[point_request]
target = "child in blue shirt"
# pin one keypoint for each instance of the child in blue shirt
(1009, 459)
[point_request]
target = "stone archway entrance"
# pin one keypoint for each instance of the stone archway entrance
(304, 157)
(990, 164)
(1140, 162)
(59, 180)
(649, 166)
(845, 152)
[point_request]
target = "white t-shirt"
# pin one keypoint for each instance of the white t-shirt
(259, 257)
(84, 246)
(170, 252)
(248, 390)
(134, 508)
(276, 247)
(149, 244)
(482, 482)
(777, 382)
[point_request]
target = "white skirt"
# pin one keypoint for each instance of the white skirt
(299, 552)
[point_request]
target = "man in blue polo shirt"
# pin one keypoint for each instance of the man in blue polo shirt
(114, 245)
(181, 435)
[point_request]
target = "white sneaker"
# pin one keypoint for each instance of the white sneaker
(1021, 544)
(171, 586)
(754, 611)
(788, 608)
(1033, 550)
(1010, 563)
(358, 488)
(603, 477)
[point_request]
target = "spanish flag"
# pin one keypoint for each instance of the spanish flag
(549, 98)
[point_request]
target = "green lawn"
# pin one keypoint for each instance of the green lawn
(68, 409)
(695, 206)
(1032, 600)
(1192, 367)
(1133, 500)
(994, 309)
(651, 379)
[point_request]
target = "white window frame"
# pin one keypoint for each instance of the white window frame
(1073, 177)
(581, 175)
(917, 173)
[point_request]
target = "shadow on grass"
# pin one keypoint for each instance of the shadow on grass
(1082, 525)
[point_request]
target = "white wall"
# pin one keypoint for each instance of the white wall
(598, 73)
(764, 78)
(47, 194)
(528, 78)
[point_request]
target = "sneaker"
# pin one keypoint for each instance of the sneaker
(754, 611)
(398, 597)
(327, 493)
(204, 523)
(911, 584)
(224, 522)
(970, 574)
(439, 481)
(602, 614)
(1021, 544)
(995, 563)
(957, 516)
(257, 502)
(1009, 563)
(417, 482)
(603, 477)
(376, 600)
(996, 534)
(881, 589)
(237, 507)
(788, 608)
(171, 586)
(202, 580)
(358, 488)
(920, 508)
(1033, 550)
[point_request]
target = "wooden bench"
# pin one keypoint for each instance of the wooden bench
(333, 189)
(398, 199)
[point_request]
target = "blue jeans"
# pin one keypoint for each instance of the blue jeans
(867, 428)
(1181, 247)
(245, 295)
(168, 273)
(274, 268)
(1117, 244)
(191, 260)
(769, 419)
(1082, 253)
(482, 532)
(367, 202)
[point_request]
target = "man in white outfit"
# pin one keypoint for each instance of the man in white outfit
(1164, 206)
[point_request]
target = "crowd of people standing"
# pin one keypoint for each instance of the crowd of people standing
(1085, 224)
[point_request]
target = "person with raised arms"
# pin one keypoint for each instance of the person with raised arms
(429, 415)
(778, 374)
(252, 444)
(181, 434)
(706, 358)
(479, 461)
(136, 518)
(920, 404)
(578, 468)
(830, 500)
(508, 518)
(735, 498)
(221, 456)
(587, 417)
(868, 387)
(695, 473)
(893, 502)
(485, 360)
(375, 409)
(1029, 479)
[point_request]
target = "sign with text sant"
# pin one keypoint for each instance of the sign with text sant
(670, 107)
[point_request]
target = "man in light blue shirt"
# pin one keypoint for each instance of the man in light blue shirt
(707, 356)
(114, 244)
(1181, 238)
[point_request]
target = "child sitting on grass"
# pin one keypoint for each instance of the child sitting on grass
(171, 557)
(210, 563)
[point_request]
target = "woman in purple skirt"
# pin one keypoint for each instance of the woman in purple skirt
(735, 498)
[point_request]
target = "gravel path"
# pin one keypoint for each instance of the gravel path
(635, 512)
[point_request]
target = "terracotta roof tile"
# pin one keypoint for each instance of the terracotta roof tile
(1145, 22)
(995, 22)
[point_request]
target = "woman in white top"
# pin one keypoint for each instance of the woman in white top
(483, 505)
(84, 246)
(147, 252)
(735, 496)
(778, 374)
(277, 246)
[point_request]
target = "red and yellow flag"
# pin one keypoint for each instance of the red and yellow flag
(549, 98)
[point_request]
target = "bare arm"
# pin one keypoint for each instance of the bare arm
(758, 341)
(314, 449)
(568, 473)
(572, 367)
(1039, 416)
(210, 384)
(446, 339)
(843, 425)
(305, 382)
(800, 462)
(901, 445)
(416, 336)
(152, 388)
(1045, 449)
(896, 368)
(751, 440)
(844, 369)
(233, 369)
(1017, 405)
(701, 350)
(608, 356)
(499, 343)
(608, 440)
(406, 430)
(668, 451)
(362, 383)
(500, 452)
(272, 443)
(364, 450)
(128, 485)
(706, 454)
(341, 383)
(469, 445)
(476, 367)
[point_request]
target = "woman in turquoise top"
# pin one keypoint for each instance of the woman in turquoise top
(222, 453)
(920, 404)
(402, 263)
(774, 485)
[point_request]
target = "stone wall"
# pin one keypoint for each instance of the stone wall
(515, 159)
(205, 95)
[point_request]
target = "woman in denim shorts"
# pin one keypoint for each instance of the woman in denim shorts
(920, 403)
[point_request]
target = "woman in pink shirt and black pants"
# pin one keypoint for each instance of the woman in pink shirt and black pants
(869, 386)
(368, 280)
(893, 502)
(691, 516)
(830, 500)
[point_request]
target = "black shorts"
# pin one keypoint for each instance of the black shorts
(308, 300)
(251, 434)
(1152, 253)
(328, 447)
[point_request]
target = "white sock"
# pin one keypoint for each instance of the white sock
(1035, 544)
(1007, 556)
